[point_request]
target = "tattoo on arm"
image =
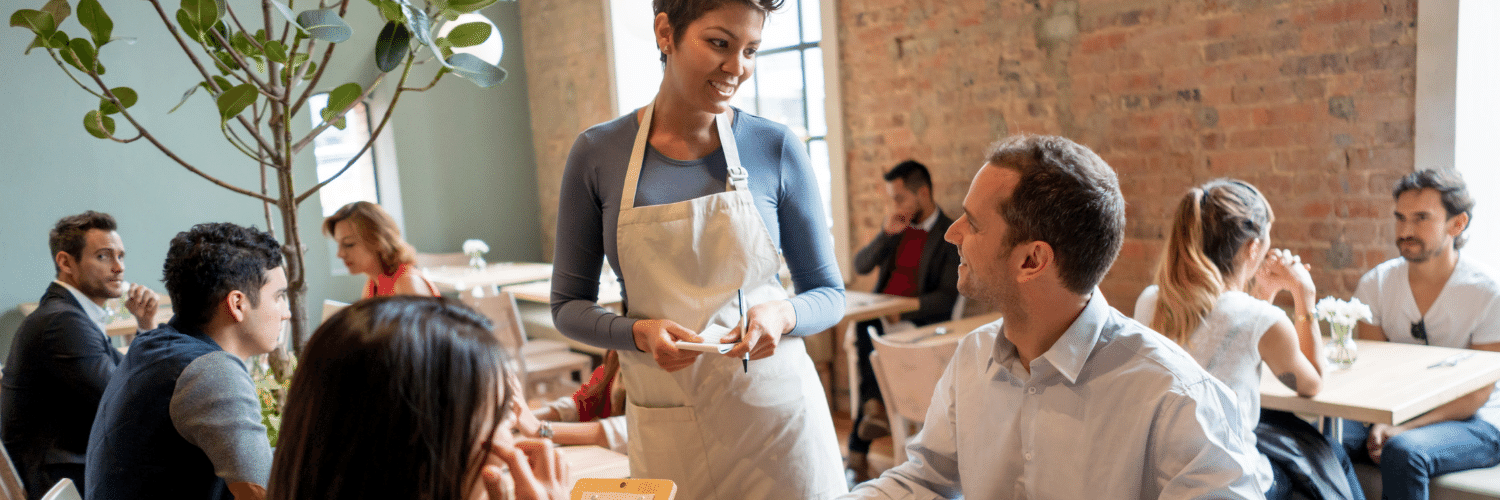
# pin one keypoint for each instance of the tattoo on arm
(1290, 379)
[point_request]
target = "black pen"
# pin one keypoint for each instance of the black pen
(744, 333)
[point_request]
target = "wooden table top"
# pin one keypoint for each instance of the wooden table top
(122, 326)
(541, 292)
(590, 461)
(1389, 383)
(954, 331)
(860, 306)
(461, 278)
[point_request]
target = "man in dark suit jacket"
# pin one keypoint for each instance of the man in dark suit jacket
(914, 261)
(60, 359)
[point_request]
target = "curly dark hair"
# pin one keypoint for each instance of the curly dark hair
(210, 260)
(421, 373)
(1068, 197)
(681, 13)
(69, 233)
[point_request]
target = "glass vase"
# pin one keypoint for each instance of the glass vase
(1341, 349)
(476, 261)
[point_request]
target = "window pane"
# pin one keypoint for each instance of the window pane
(812, 21)
(781, 96)
(816, 116)
(333, 148)
(780, 30)
(818, 150)
(744, 97)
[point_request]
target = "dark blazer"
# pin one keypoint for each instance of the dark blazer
(60, 362)
(937, 273)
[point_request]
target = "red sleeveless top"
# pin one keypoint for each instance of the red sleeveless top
(384, 285)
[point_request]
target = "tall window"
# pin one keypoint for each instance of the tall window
(788, 84)
(1477, 122)
(372, 178)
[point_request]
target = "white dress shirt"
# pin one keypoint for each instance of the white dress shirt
(1112, 410)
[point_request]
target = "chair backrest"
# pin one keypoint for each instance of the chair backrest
(10, 480)
(442, 259)
(63, 490)
(332, 306)
(909, 373)
(501, 309)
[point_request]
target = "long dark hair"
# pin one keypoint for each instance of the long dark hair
(389, 402)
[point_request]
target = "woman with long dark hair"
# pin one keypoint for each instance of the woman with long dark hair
(406, 397)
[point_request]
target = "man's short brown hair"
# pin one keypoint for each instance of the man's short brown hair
(70, 234)
(1067, 197)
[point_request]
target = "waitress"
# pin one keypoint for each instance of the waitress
(691, 201)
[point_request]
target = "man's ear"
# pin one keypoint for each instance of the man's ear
(237, 303)
(65, 264)
(662, 28)
(1037, 259)
(1457, 224)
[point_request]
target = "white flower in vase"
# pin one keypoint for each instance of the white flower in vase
(476, 249)
(1341, 317)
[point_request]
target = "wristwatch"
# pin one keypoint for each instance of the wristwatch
(546, 431)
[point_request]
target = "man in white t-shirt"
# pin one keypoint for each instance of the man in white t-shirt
(1432, 295)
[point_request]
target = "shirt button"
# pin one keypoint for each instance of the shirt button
(1028, 456)
(1031, 390)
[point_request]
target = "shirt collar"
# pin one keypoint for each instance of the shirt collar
(930, 221)
(1071, 351)
(93, 310)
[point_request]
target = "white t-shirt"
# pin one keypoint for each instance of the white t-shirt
(1466, 312)
(1227, 344)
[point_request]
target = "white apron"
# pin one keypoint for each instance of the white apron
(716, 431)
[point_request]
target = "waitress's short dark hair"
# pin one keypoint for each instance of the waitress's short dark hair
(681, 13)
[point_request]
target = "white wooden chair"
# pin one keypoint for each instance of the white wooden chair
(63, 490)
(908, 374)
(543, 362)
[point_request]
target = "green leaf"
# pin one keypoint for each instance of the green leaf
(59, 10)
(467, 6)
(223, 83)
(84, 56)
(189, 26)
(227, 61)
(91, 15)
(389, 10)
(469, 34)
(341, 98)
(185, 95)
(241, 44)
(260, 63)
(39, 22)
(442, 42)
(203, 12)
(447, 52)
(391, 46)
(126, 95)
(98, 125)
(340, 123)
(234, 101)
(474, 69)
(325, 25)
(275, 51)
(58, 40)
(421, 28)
(286, 12)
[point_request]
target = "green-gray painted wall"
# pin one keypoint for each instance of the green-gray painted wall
(464, 155)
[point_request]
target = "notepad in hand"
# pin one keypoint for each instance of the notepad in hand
(715, 332)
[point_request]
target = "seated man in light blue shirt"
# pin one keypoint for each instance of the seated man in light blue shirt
(1065, 398)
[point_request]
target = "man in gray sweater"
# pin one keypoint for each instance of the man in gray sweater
(180, 419)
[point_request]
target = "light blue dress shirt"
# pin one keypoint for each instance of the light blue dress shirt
(1112, 410)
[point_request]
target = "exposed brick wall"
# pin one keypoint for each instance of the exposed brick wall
(567, 65)
(1311, 100)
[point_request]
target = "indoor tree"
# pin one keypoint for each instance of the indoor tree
(260, 66)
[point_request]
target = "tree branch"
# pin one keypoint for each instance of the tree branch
(64, 67)
(240, 60)
(163, 148)
(375, 134)
(313, 134)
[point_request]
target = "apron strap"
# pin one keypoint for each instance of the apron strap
(739, 178)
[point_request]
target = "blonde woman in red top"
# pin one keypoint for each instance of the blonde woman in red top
(369, 243)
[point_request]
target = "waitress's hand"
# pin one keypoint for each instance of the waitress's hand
(659, 337)
(767, 322)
